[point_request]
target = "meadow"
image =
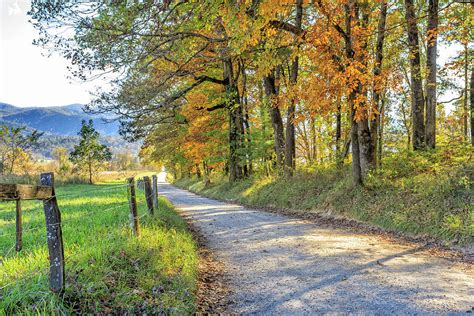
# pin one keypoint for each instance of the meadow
(107, 268)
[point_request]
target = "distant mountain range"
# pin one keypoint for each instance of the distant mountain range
(61, 124)
(58, 120)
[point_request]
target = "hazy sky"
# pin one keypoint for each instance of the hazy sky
(26, 77)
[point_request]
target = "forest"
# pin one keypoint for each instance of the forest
(227, 91)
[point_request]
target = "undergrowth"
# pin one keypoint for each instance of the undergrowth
(419, 194)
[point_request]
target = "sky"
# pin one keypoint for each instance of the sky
(27, 78)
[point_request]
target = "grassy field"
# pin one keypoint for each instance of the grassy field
(107, 269)
(420, 194)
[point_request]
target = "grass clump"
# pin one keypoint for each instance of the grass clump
(423, 193)
(107, 269)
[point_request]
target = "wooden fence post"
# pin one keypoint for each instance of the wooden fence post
(19, 226)
(148, 194)
(155, 191)
(133, 207)
(54, 236)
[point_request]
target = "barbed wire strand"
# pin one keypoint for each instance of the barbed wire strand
(67, 221)
(66, 259)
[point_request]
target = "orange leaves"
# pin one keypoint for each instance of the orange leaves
(203, 138)
(271, 9)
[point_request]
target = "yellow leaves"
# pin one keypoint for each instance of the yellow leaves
(270, 31)
(272, 8)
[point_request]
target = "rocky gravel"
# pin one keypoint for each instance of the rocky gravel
(278, 264)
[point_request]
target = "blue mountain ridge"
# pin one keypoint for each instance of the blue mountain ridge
(59, 120)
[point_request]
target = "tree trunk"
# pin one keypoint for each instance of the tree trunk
(338, 133)
(351, 10)
(234, 170)
(471, 94)
(432, 29)
(466, 89)
(198, 171)
(418, 110)
(277, 122)
(290, 145)
(356, 167)
(313, 140)
(365, 146)
(12, 165)
(207, 180)
(380, 133)
(235, 123)
(375, 122)
(90, 171)
(364, 137)
(248, 137)
(290, 142)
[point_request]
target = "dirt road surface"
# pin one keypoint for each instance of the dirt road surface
(281, 265)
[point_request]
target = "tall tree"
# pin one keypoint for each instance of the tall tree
(471, 93)
(418, 104)
(271, 92)
(290, 141)
(431, 51)
(466, 89)
(351, 10)
(365, 138)
(375, 123)
(89, 155)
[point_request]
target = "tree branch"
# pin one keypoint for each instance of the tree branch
(286, 27)
(453, 99)
(214, 107)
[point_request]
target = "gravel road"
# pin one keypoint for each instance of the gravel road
(281, 265)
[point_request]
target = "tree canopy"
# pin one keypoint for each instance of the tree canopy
(240, 86)
(89, 155)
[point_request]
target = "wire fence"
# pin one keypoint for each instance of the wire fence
(68, 196)
(76, 222)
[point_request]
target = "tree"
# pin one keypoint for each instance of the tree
(459, 31)
(290, 140)
(471, 93)
(418, 102)
(60, 154)
(375, 124)
(89, 155)
(432, 33)
(13, 143)
(125, 161)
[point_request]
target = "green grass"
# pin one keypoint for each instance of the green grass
(107, 269)
(420, 194)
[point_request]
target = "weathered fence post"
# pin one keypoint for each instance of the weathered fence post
(148, 194)
(155, 191)
(133, 207)
(54, 236)
(19, 226)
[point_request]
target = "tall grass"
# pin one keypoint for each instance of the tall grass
(107, 269)
(425, 193)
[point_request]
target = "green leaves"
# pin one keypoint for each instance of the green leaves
(89, 154)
